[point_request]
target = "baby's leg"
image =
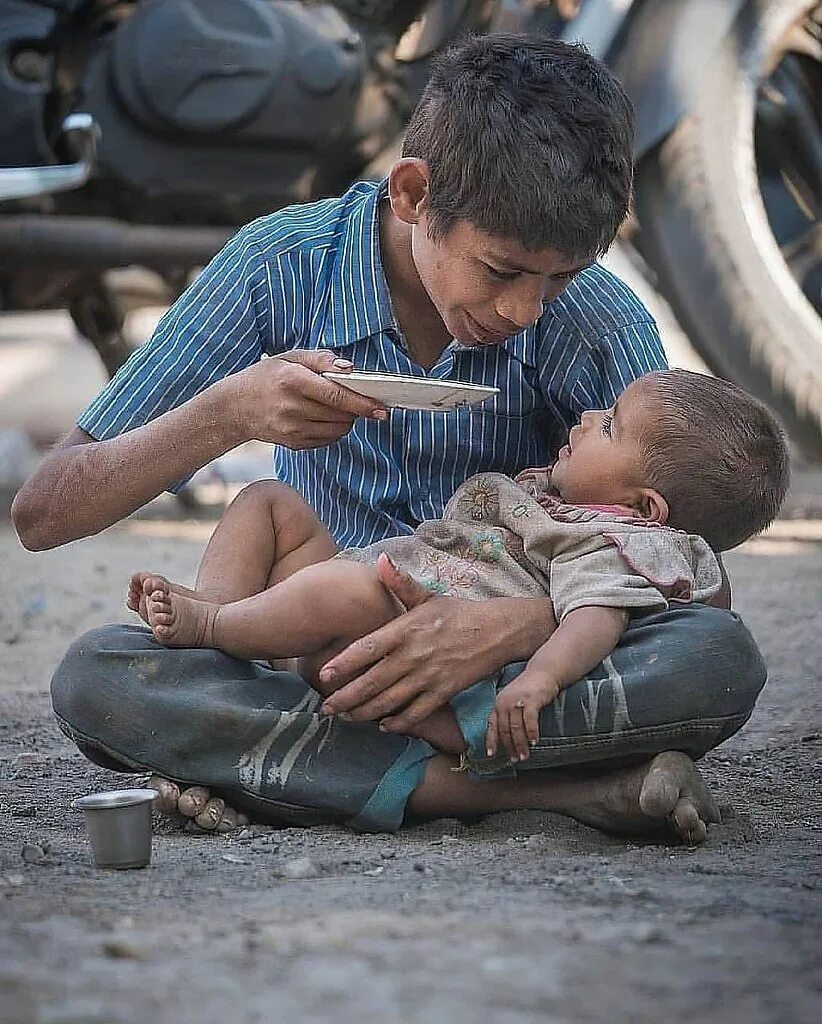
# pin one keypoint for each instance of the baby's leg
(311, 615)
(267, 533)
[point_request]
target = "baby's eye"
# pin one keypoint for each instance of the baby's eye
(607, 419)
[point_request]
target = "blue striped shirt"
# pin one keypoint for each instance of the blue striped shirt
(311, 277)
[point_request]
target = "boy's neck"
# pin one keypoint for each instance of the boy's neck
(426, 336)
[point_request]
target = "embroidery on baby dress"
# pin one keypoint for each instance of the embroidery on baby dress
(443, 574)
(488, 547)
(480, 501)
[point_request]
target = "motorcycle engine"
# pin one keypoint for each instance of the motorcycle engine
(215, 112)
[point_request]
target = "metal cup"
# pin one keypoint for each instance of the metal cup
(118, 824)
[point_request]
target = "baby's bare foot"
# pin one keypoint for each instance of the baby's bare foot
(175, 619)
(136, 598)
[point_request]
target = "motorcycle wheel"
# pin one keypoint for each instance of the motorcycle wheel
(729, 220)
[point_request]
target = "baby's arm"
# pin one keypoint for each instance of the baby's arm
(580, 642)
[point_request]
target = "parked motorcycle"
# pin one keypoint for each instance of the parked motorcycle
(142, 132)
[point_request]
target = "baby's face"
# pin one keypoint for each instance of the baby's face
(602, 464)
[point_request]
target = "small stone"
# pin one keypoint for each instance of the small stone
(28, 757)
(33, 853)
(22, 810)
(419, 866)
(300, 867)
(232, 858)
(125, 949)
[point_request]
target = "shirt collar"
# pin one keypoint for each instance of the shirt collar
(359, 303)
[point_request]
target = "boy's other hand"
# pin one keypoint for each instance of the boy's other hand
(285, 400)
(405, 670)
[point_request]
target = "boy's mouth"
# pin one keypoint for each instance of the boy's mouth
(481, 334)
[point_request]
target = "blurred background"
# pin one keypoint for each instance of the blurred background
(137, 135)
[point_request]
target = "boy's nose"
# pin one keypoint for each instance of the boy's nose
(521, 304)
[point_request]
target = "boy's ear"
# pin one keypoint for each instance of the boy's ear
(408, 182)
(653, 506)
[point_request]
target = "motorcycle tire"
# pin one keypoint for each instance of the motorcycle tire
(704, 230)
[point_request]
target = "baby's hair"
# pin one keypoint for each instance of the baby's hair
(528, 139)
(716, 454)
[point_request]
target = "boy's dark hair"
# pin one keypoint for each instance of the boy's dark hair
(529, 139)
(716, 454)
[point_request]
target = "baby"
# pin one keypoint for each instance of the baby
(626, 521)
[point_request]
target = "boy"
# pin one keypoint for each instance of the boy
(474, 260)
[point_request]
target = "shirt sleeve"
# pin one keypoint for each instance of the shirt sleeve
(593, 573)
(217, 327)
(617, 359)
(640, 568)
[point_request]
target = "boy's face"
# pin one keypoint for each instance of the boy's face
(487, 289)
(602, 462)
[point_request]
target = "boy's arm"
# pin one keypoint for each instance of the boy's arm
(580, 642)
(86, 485)
(199, 387)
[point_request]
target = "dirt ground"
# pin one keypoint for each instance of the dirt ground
(522, 917)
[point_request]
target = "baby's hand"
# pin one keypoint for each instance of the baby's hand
(514, 722)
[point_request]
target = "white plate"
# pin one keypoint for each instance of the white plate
(396, 390)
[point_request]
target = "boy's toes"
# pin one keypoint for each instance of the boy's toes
(193, 800)
(689, 826)
(168, 793)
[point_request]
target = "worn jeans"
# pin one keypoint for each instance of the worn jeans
(682, 680)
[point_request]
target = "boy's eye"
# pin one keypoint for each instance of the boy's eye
(607, 420)
(501, 275)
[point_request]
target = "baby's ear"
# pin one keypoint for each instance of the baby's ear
(654, 507)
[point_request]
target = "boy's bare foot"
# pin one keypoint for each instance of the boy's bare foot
(666, 795)
(209, 812)
(136, 597)
(175, 619)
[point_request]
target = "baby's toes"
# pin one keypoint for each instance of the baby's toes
(134, 592)
(152, 582)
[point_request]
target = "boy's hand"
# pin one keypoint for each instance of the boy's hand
(285, 400)
(414, 664)
(514, 722)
